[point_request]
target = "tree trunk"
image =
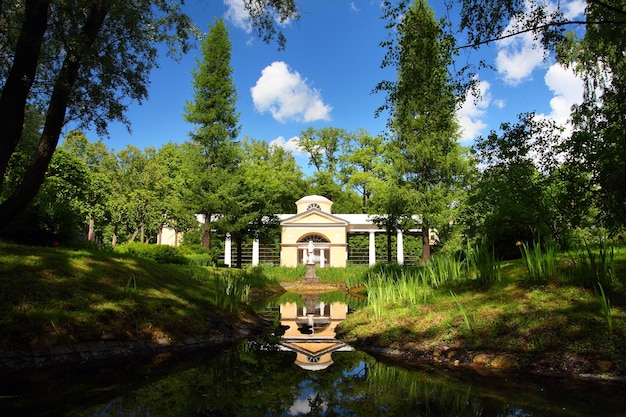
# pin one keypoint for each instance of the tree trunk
(239, 241)
(91, 234)
(206, 236)
(20, 80)
(425, 244)
(55, 117)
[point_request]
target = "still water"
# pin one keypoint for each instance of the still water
(301, 370)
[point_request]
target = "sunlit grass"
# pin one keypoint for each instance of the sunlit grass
(557, 316)
(81, 295)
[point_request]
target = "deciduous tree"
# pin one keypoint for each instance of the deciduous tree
(83, 61)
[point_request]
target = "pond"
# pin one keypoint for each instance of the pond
(302, 370)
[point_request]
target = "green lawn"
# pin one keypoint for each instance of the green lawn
(512, 315)
(56, 295)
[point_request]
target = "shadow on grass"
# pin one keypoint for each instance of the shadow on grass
(53, 295)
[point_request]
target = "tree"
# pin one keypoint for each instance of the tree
(99, 162)
(423, 148)
(267, 181)
(526, 188)
(213, 112)
(361, 165)
(593, 45)
(82, 61)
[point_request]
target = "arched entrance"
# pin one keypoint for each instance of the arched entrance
(321, 249)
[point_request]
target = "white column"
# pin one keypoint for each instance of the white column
(321, 258)
(228, 250)
(400, 248)
(372, 247)
(255, 251)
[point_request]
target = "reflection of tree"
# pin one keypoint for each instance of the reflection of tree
(246, 381)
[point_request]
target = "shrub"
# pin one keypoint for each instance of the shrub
(162, 254)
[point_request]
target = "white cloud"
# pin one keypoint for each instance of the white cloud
(471, 112)
(568, 90)
(286, 95)
(237, 15)
(575, 8)
(292, 145)
(518, 57)
(354, 7)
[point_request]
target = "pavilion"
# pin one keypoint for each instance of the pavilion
(315, 222)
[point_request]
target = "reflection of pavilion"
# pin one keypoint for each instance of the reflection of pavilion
(310, 332)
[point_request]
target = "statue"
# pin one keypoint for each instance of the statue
(310, 251)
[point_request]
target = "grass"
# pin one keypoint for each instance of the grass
(56, 295)
(502, 307)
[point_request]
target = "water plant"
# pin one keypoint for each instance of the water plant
(594, 266)
(131, 286)
(230, 291)
(606, 306)
(540, 261)
(484, 264)
(463, 311)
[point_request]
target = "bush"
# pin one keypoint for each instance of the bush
(200, 259)
(162, 254)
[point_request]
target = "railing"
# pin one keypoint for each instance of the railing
(270, 255)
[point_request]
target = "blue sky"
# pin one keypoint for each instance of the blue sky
(325, 78)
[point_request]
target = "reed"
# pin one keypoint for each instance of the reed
(131, 289)
(442, 270)
(606, 306)
(231, 291)
(484, 264)
(463, 312)
(592, 266)
(540, 261)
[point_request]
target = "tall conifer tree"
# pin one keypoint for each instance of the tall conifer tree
(213, 112)
(424, 152)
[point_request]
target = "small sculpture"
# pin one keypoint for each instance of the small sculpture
(310, 250)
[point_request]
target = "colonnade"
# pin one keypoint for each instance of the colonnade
(371, 254)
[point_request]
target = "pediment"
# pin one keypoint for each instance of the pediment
(314, 217)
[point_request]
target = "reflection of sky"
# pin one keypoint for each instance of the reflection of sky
(302, 405)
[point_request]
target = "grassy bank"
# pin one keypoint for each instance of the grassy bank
(574, 311)
(53, 296)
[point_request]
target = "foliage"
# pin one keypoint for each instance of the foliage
(214, 115)
(424, 155)
(592, 266)
(162, 254)
(524, 189)
(540, 260)
(92, 57)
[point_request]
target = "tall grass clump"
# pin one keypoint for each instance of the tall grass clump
(231, 291)
(404, 286)
(592, 266)
(540, 261)
(606, 306)
(442, 270)
(484, 265)
(463, 312)
(352, 275)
